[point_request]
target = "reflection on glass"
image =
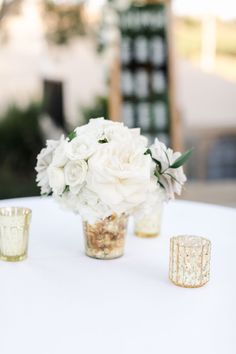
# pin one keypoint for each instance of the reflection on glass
(157, 50)
(125, 50)
(144, 118)
(141, 49)
(128, 114)
(141, 83)
(160, 115)
(127, 82)
(158, 82)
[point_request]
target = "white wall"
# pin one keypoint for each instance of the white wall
(205, 100)
(26, 59)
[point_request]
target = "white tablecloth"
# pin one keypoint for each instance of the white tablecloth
(59, 301)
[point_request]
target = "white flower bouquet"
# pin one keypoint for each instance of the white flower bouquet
(105, 168)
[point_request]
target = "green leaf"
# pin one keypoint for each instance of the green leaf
(148, 152)
(156, 174)
(162, 186)
(46, 194)
(182, 159)
(71, 135)
(66, 189)
(103, 141)
(158, 163)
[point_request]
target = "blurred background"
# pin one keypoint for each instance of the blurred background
(166, 66)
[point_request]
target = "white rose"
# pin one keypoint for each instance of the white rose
(173, 181)
(56, 179)
(68, 201)
(90, 206)
(59, 156)
(100, 123)
(75, 174)
(173, 178)
(81, 148)
(94, 128)
(44, 159)
(100, 128)
(161, 153)
(120, 133)
(138, 138)
(86, 203)
(119, 176)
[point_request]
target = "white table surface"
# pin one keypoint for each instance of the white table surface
(59, 301)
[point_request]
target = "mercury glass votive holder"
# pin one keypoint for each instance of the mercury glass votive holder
(105, 239)
(148, 224)
(189, 265)
(14, 233)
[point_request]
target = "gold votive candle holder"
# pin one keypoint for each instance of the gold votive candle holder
(105, 239)
(14, 233)
(189, 265)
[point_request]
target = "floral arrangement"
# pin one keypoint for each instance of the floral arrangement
(104, 167)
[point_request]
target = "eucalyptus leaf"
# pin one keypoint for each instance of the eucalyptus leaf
(182, 159)
(71, 135)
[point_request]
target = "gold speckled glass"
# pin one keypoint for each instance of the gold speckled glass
(14, 233)
(105, 239)
(149, 224)
(189, 265)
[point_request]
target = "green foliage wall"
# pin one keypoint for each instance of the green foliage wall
(99, 108)
(20, 142)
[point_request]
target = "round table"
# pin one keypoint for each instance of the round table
(59, 301)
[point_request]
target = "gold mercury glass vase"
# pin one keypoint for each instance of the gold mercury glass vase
(14, 233)
(189, 265)
(148, 223)
(105, 239)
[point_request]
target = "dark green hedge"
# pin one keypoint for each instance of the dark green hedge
(20, 142)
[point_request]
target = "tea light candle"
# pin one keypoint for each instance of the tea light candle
(14, 233)
(189, 265)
